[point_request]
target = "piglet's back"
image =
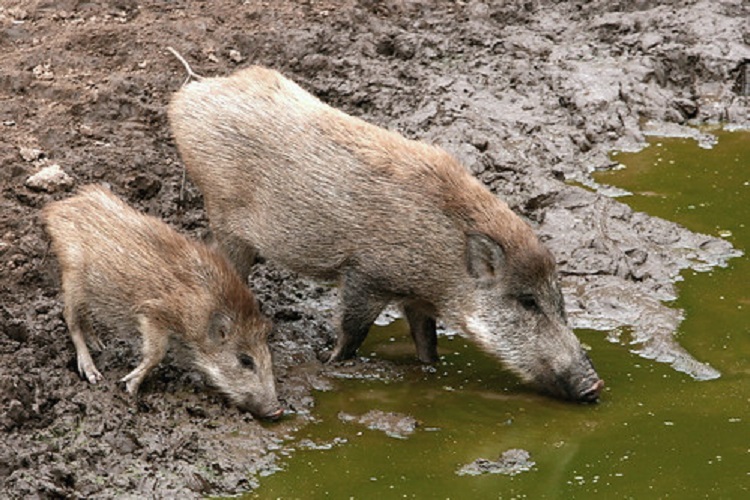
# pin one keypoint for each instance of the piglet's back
(95, 222)
(123, 256)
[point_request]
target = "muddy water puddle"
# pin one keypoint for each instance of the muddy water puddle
(656, 433)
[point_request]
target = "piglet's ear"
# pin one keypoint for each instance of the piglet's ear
(484, 258)
(219, 327)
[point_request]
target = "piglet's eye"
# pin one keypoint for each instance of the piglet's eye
(528, 302)
(246, 361)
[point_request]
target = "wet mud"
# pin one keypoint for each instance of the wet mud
(511, 462)
(395, 425)
(530, 95)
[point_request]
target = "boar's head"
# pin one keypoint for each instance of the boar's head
(517, 313)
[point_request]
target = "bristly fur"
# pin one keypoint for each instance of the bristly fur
(131, 271)
(394, 220)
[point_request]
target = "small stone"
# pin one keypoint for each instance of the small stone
(17, 13)
(30, 154)
(235, 56)
(50, 179)
(86, 130)
(43, 72)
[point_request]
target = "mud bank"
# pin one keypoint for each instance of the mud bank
(530, 95)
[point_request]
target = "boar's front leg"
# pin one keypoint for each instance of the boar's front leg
(423, 330)
(360, 308)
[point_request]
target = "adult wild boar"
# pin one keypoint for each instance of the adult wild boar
(130, 271)
(394, 220)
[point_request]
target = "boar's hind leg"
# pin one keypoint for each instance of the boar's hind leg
(155, 342)
(360, 309)
(423, 331)
(77, 318)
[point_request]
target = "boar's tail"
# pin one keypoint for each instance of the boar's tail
(191, 74)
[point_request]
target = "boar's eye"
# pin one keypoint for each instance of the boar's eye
(246, 361)
(528, 302)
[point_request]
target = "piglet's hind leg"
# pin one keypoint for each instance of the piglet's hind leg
(86, 366)
(79, 326)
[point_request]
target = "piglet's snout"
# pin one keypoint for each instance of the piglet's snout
(591, 395)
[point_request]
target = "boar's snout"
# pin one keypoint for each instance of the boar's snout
(582, 385)
(591, 395)
(586, 390)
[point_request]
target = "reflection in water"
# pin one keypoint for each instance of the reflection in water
(656, 433)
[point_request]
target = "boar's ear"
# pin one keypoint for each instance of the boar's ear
(219, 326)
(484, 258)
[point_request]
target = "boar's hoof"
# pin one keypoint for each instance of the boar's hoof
(428, 359)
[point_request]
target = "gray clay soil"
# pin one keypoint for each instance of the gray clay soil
(530, 95)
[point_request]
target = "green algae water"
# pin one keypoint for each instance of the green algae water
(656, 433)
